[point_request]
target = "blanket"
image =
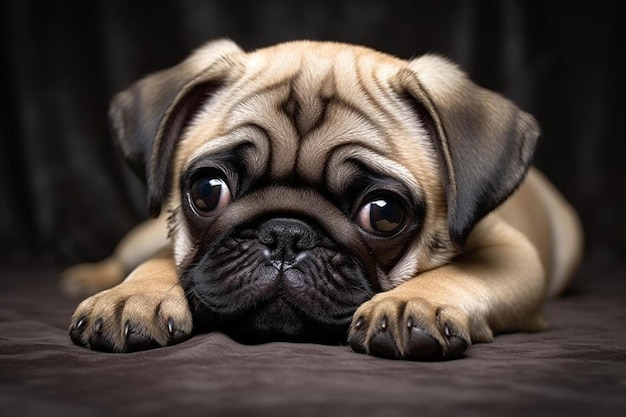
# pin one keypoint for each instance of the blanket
(577, 367)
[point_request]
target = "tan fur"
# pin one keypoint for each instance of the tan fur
(498, 282)
(151, 297)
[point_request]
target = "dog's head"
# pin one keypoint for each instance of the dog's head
(303, 178)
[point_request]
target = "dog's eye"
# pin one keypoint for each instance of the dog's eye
(382, 217)
(209, 196)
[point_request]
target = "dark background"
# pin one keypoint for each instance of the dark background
(65, 195)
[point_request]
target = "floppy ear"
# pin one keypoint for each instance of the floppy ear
(484, 142)
(148, 118)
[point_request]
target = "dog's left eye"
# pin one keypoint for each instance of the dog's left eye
(209, 196)
(382, 217)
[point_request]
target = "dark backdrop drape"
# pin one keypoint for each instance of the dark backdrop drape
(65, 195)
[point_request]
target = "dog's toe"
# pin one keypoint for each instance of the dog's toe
(457, 344)
(412, 329)
(77, 328)
(136, 341)
(91, 333)
(457, 347)
(131, 319)
(98, 340)
(358, 335)
(382, 342)
(420, 345)
(176, 335)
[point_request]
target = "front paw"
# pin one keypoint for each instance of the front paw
(415, 329)
(130, 318)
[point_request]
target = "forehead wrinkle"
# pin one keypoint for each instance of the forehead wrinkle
(311, 90)
(230, 141)
(343, 125)
(359, 109)
(212, 129)
(264, 109)
(342, 163)
(382, 96)
(339, 101)
(256, 101)
(359, 84)
(266, 73)
(253, 137)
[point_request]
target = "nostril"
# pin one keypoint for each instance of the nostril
(286, 238)
(268, 238)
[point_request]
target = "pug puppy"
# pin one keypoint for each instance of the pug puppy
(327, 192)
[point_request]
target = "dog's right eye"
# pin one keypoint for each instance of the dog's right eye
(382, 216)
(209, 196)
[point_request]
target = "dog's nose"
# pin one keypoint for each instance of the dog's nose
(286, 238)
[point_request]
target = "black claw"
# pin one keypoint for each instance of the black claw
(357, 336)
(176, 335)
(76, 332)
(359, 323)
(420, 344)
(456, 345)
(96, 341)
(382, 345)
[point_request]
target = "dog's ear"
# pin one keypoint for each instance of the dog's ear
(149, 117)
(484, 142)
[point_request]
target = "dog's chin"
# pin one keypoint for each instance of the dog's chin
(274, 310)
(257, 289)
(277, 321)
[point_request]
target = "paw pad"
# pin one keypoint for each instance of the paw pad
(420, 345)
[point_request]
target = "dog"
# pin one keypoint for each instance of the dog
(325, 192)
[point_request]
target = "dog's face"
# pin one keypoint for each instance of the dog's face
(303, 178)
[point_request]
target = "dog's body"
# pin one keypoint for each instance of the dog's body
(314, 190)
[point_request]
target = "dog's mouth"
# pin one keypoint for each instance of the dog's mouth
(282, 280)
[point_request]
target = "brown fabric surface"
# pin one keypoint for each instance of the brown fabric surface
(576, 368)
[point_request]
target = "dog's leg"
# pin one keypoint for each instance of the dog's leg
(138, 245)
(566, 235)
(148, 309)
(497, 285)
